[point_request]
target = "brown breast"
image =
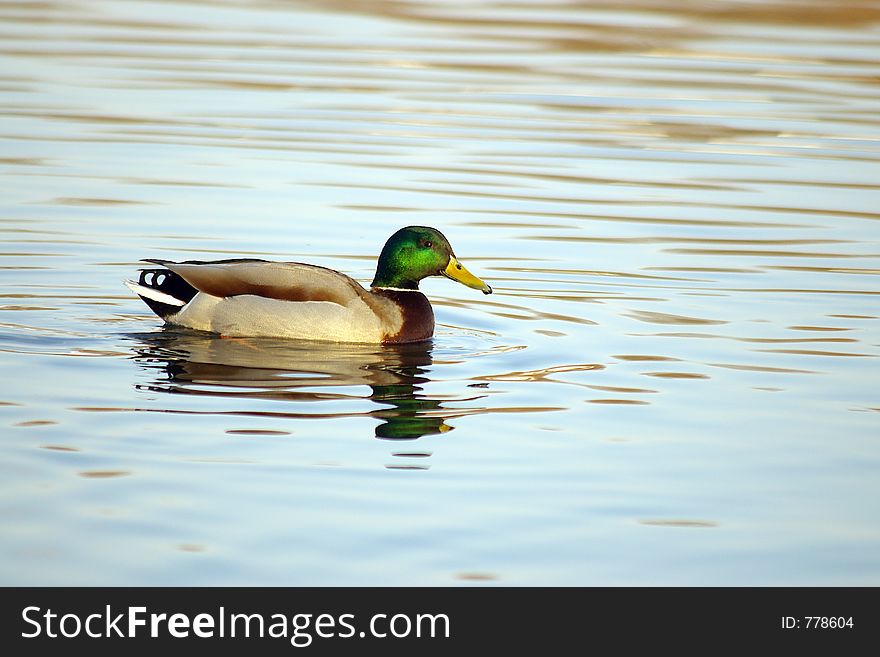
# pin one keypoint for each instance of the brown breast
(418, 316)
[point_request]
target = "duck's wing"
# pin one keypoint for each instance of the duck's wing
(285, 281)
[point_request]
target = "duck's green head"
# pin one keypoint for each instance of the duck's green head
(416, 252)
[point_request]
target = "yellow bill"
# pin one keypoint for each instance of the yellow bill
(457, 272)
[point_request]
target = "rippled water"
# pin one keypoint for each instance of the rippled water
(676, 381)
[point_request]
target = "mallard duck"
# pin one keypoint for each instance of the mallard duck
(259, 298)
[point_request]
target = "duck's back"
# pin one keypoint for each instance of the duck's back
(259, 298)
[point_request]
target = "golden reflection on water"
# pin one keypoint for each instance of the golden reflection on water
(663, 522)
(104, 474)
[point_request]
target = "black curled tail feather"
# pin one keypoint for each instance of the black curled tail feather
(167, 282)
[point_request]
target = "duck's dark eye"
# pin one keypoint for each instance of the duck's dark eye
(429, 244)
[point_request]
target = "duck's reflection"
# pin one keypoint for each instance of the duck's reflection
(264, 369)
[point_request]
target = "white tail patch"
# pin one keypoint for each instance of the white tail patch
(155, 295)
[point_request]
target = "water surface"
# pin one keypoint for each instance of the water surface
(675, 381)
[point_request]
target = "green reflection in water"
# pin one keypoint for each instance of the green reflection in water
(250, 369)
